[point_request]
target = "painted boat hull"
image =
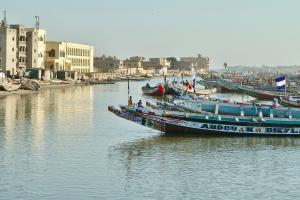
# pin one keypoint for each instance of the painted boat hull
(287, 103)
(154, 91)
(261, 95)
(200, 92)
(182, 127)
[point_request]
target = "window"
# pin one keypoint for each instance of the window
(13, 60)
(62, 53)
(13, 38)
(52, 53)
(13, 49)
(35, 51)
(22, 38)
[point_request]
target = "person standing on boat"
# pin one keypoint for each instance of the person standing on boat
(140, 104)
(254, 109)
(130, 101)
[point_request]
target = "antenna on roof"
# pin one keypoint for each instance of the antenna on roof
(37, 22)
(4, 18)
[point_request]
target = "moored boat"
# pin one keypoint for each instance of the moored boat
(209, 124)
(9, 86)
(289, 102)
(29, 84)
(190, 90)
(155, 91)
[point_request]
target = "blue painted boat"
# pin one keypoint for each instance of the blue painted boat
(169, 122)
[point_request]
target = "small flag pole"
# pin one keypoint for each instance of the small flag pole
(285, 86)
(128, 89)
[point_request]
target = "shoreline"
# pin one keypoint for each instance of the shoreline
(43, 87)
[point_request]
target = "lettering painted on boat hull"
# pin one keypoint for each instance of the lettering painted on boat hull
(248, 129)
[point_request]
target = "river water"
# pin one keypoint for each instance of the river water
(64, 144)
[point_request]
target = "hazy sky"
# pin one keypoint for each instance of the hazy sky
(248, 32)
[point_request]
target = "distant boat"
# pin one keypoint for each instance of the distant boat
(289, 102)
(190, 90)
(261, 94)
(93, 82)
(154, 91)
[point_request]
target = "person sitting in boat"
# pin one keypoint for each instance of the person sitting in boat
(140, 104)
(254, 109)
(130, 101)
(186, 83)
(148, 85)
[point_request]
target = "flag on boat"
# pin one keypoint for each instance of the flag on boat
(280, 83)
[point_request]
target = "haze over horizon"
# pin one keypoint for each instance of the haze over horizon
(233, 31)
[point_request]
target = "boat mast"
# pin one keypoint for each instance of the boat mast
(285, 86)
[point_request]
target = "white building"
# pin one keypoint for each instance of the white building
(21, 48)
(8, 48)
(160, 61)
(36, 47)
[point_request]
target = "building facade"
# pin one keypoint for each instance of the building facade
(134, 64)
(160, 61)
(107, 64)
(200, 63)
(8, 48)
(21, 48)
(36, 48)
(69, 57)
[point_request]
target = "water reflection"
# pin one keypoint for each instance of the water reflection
(26, 118)
(162, 146)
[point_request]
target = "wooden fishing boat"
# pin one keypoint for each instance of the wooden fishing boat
(289, 102)
(29, 84)
(227, 86)
(154, 91)
(93, 82)
(258, 94)
(207, 124)
(190, 90)
(9, 86)
(230, 108)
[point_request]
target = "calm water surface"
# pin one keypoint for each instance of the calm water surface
(64, 144)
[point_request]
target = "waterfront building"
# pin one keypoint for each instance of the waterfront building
(36, 47)
(155, 66)
(160, 61)
(21, 47)
(134, 64)
(69, 57)
(200, 63)
(107, 64)
(8, 46)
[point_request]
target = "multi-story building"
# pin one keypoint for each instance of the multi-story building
(36, 47)
(8, 48)
(21, 48)
(21, 44)
(160, 61)
(107, 64)
(200, 63)
(134, 65)
(69, 56)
